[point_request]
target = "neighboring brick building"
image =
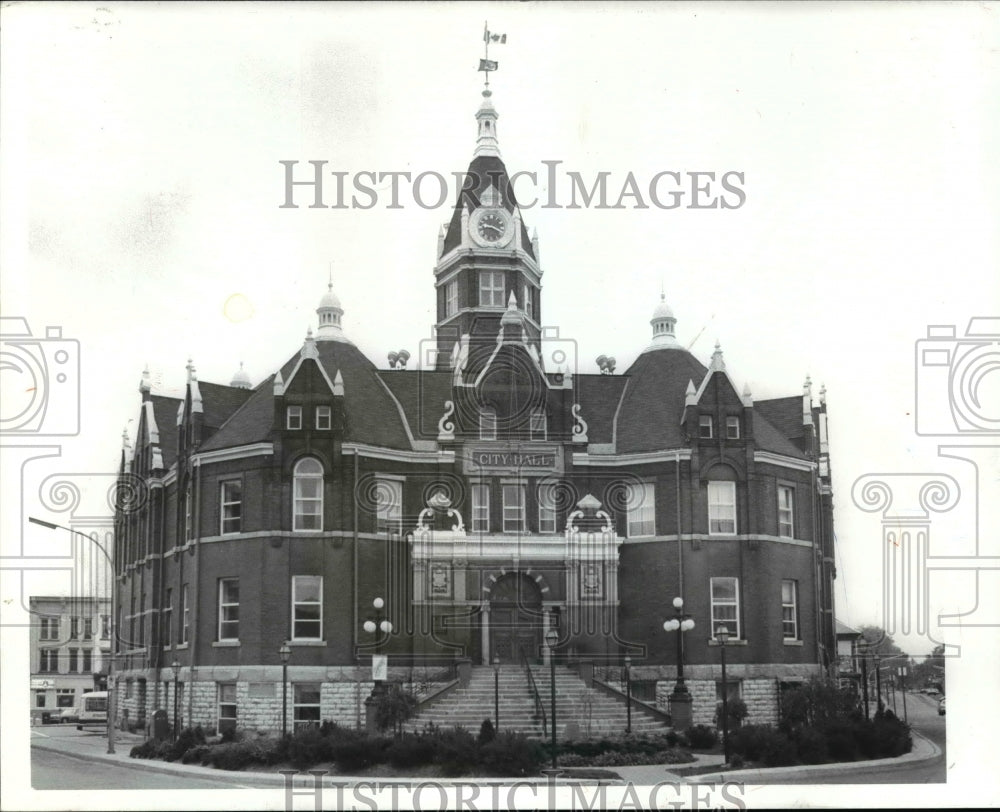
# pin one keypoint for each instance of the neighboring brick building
(488, 496)
(70, 644)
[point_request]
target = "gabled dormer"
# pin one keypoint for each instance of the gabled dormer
(310, 401)
(715, 412)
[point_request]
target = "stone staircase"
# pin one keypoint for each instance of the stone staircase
(590, 710)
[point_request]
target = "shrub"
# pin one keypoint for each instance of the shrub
(189, 737)
(358, 752)
(765, 744)
(511, 754)
(455, 750)
(702, 737)
(308, 746)
(197, 755)
(736, 710)
(410, 750)
(812, 746)
(841, 743)
(487, 732)
(393, 707)
(237, 755)
(150, 749)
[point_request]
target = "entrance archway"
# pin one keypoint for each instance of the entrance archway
(516, 618)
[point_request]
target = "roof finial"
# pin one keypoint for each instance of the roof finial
(717, 362)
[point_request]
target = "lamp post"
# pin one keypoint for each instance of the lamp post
(284, 652)
(902, 687)
(863, 651)
(722, 636)
(176, 667)
(879, 710)
(680, 699)
(378, 627)
(551, 639)
(496, 693)
(628, 694)
(112, 688)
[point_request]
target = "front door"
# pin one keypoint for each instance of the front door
(516, 619)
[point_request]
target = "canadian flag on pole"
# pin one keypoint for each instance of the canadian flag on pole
(489, 36)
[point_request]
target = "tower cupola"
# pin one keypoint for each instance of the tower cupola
(330, 312)
(664, 327)
(486, 116)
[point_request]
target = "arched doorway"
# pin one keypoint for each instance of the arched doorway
(515, 618)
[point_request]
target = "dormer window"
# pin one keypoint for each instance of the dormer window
(732, 428)
(323, 418)
(293, 418)
(487, 424)
(705, 425)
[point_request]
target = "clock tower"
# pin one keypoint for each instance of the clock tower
(486, 260)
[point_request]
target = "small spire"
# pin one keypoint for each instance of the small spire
(717, 364)
(822, 394)
(279, 384)
(747, 396)
(240, 379)
(338, 385)
(192, 375)
(807, 386)
(486, 116)
(144, 383)
(309, 346)
(690, 394)
(125, 443)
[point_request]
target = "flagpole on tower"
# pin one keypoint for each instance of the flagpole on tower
(486, 50)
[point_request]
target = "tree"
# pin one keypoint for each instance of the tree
(930, 672)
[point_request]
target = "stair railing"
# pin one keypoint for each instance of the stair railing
(539, 705)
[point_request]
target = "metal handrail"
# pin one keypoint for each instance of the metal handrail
(539, 706)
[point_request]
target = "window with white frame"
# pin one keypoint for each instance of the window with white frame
(726, 606)
(307, 607)
(491, 289)
(539, 425)
(188, 520)
(293, 417)
(323, 418)
(74, 660)
(790, 610)
(487, 424)
(451, 298)
(227, 706)
(88, 628)
(231, 507)
(641, 509)
(721, 508)
(388, 504)
(48, 628)
(65, 697)
(185, 615)
(39, 699)
(733, 690)
(167, 633)
(86, 660)
(786, 511)
(229, 609)
(480, 508)
(528, 303)
(305, 704)
(546, 508)
(513, 508)
(48, 660)
(705, 425)
(732, 428)
(308, 495)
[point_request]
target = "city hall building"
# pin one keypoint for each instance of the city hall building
(487, 493)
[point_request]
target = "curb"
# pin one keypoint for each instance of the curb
(923, 750)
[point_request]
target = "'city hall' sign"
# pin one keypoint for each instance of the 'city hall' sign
(506, 460)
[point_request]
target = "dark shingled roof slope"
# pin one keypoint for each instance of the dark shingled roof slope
(219, 402)
(165, 413)
(653, 403)
(484, 171)
(598, 396)
(785, 416)
(251, 423)
(422, 394)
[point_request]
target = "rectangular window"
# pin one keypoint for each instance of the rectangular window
(705, 426)
(75, 626)
(726, 606)
(786, 512)
(733, 689)
(65, 697)
(539, 426)
(229, 609)
(388, 505)
(167, 634)
(451, 298)
(721, 508)
(105, 627)
(185, 615)
(732, 428)
(227, 706)
(480, 508)
(231, 507)
(491, 289)
(74, 660)
(188, 523)
(39, 699)
(307, 607)
(487, 425)
(88, 661)
(546, 509)
(323, 418)
(528, 303)
(293, 417)
(261, 690)
(88, 628)
(305, 703)
(48, 660)
(641, 508)
(790, 610)
(513, 508)
(48, 628)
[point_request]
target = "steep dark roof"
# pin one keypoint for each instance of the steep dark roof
(165, 413)
(768, 438)
(784, 415)
(422, 394)
(598, 396)
(220, 401)
(651, 408)
(486, 170)
(250, 423)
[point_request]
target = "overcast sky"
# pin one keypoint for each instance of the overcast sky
(142, 191)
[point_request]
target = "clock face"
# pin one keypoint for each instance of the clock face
(492, 226)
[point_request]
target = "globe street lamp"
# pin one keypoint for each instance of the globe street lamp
(722, 636)
(680, 699)
(112, 689)
(284, 652)
(379, 627)
(176, 667)
(551, 639)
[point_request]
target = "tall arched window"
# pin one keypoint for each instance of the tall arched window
(308, 499)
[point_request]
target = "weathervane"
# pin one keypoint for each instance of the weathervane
(486, 64)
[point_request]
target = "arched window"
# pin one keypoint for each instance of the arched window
(308, 498)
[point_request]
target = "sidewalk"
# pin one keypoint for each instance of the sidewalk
(93, 749)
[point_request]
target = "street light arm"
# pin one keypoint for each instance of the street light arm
(91, 539)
